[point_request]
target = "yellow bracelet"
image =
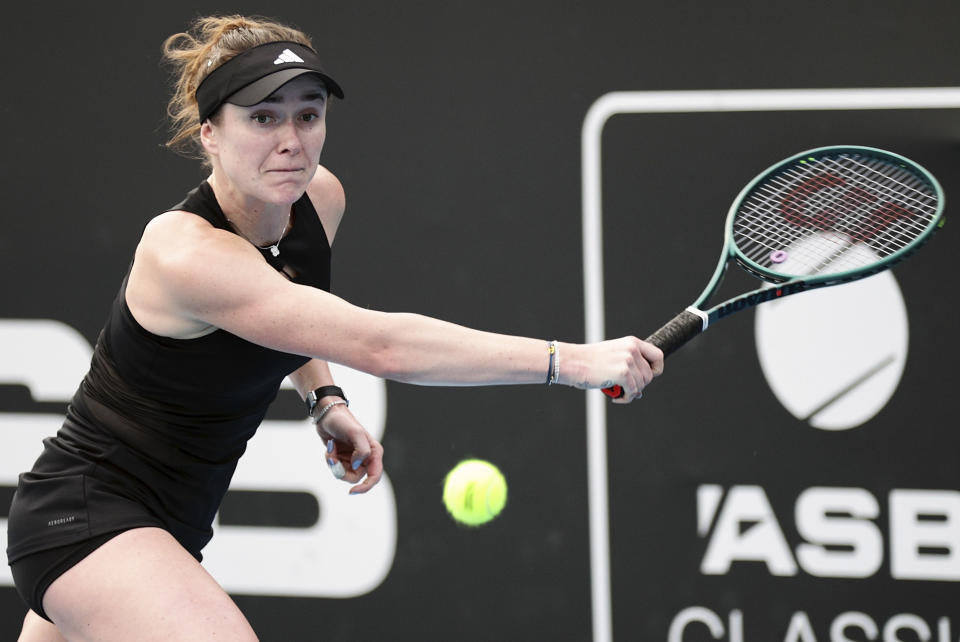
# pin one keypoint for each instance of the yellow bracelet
(553, 368)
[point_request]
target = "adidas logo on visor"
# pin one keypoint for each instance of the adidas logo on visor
(287, 56)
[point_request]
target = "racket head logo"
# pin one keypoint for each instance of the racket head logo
(801, 217)
(795, 205)
(852, 211)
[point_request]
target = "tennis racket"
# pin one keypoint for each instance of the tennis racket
(823, 217)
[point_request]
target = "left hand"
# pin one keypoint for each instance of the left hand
(350, 445)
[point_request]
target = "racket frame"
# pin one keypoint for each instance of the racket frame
(694, 320)
(785, 285)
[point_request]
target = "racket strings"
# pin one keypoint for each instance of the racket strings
(878, 184)
(772, 238)
(899, 187)
(849, 220)
(815, 211)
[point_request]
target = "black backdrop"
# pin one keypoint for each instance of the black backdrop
(459, 148)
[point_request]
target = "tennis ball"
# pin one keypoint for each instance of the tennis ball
(474, 492)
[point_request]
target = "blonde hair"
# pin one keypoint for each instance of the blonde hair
(208, 43)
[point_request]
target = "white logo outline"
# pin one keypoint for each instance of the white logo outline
(287, 56)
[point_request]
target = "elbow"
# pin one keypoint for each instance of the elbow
(387, 350)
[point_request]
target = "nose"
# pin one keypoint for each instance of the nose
(289, 139)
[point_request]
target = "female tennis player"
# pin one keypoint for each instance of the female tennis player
(227, 294)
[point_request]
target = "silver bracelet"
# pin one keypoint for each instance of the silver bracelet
(325, 409)
(556, 362)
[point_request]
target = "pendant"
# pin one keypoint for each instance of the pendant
(274, 250)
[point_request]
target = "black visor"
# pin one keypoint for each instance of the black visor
(250, 77)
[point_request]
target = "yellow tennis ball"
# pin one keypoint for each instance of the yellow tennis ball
(474, 492)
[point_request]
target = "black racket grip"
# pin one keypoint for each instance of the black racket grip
(669, 338)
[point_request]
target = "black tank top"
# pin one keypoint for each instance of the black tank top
(188, 406)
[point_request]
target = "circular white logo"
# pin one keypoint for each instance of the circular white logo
(834, 357)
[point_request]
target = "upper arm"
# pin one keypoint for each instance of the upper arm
(326, 193)
(195, 276)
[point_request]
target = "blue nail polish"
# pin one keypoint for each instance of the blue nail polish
(357, 464)
(331, 462)
(329, 445)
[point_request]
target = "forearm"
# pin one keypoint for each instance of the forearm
(312, 375)
(422, 350)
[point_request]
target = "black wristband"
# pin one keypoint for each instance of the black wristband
(323, 391)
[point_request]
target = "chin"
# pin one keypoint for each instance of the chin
(285, 194)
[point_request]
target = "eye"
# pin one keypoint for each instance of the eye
(262, 119)
(309, 117)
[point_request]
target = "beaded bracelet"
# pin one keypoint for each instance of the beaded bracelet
(325, 409)
(556, 363)
(314, 396)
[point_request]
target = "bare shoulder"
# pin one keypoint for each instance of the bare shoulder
(175, 223)
(178, 241)
(326, 193)
(171, 274)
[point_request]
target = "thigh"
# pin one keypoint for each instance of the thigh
(143, 585)
(33, 573)
(36, 629)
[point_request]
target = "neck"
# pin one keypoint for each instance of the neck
(263, 224)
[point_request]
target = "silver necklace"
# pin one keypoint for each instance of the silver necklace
(275, 247)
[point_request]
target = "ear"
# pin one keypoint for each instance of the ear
(208, 137)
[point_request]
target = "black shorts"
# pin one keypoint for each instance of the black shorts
(70, 496)
(33, 574)
(91, 483)
(71, 502)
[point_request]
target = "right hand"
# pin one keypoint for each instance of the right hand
(349, 444)
(628, 362)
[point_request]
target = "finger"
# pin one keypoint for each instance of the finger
(336, 468)
(629, 389)
(637, 379)
(368, 473)
(373, 468)
(653, 356)
(646, 375)
(625, 399)
(361, 452)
